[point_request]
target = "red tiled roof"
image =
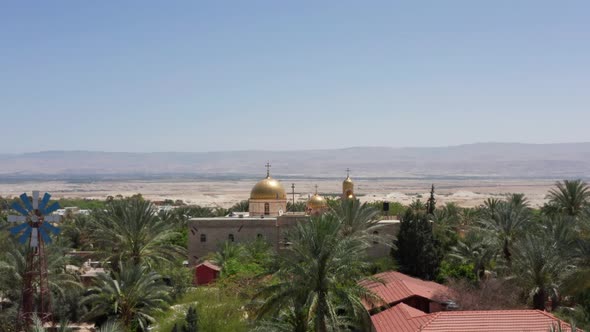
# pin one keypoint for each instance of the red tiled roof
(209, 265)
(395, 287)
(493, 321)
(399, 318)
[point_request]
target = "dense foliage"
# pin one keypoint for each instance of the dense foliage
(503, 254)
(418, 252)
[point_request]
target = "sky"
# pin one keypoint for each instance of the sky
(150, 76)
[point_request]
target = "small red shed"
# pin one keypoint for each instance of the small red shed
(206, 273)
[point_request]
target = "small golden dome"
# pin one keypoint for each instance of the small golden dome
(317, 202)
(269, 189)
(347, 184)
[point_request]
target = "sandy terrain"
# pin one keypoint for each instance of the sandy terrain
(226, 193)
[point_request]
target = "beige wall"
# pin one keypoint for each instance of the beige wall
(256, 207)
(387, 231)
(247, 229)
(217, 231)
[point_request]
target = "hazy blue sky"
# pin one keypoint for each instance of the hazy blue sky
(197, 76)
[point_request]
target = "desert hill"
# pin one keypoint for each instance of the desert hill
(481, 160)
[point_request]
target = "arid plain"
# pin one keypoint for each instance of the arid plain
(224, 193)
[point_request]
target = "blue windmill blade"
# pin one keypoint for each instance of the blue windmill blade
(44, 202)
(26, 202)
(17, 229)
(26, 235)
(50, 228)
(52, 208)
(19, 208)
(44, 236)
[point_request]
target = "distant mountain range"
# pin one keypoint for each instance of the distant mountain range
(482, 160)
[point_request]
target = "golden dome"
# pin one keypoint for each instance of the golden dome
(269, 189)
(317, 202)
(347, 184)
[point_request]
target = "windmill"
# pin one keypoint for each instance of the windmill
(35, 231)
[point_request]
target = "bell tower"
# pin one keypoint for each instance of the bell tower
(347, 186)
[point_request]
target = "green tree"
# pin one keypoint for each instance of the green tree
(571, 197)
(475, 250)
(132, 295)
(317, 284)
(241, 206)
(539, 269)
(12, 271)
(77, 231)
(431, 202)
(504, 222)
(191, 321)
(131, 230)
(360, 220)
(418, 252)
(228, 253)
(110, 326)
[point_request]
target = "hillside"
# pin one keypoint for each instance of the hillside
(487, 160)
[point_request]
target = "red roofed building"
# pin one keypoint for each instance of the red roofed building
(206, 273)
(394, 288)
(403, 318)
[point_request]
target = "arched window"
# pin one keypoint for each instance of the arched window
(259, 236)
(203, 238)
(375, 235)
(266, 209)
(231, 238)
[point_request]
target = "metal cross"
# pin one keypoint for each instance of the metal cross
(348, 172)
(267, 168)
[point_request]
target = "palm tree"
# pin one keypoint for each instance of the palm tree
(504, 221)
(12, 270)
(131, 230)
(488, 208)
(228, 252)
(571, 197)
(580, 279)
(110, 326)
(540, 269)
(318, 279)
(131, 295)
(241, 206)
(77, 230)
(469, 216)
(518, 200)
(560, 232)
(358, 220)
(475, 249)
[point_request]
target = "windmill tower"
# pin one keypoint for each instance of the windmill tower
(34, 231)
